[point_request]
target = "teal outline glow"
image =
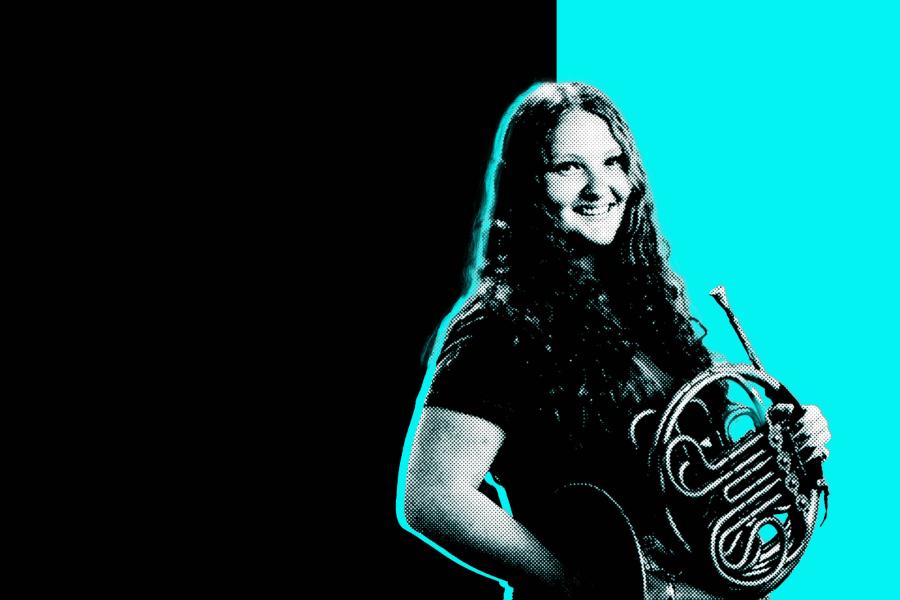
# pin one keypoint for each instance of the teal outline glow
(472, 281)
(504, 504)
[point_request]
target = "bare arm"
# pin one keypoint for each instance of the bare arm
(450, 455)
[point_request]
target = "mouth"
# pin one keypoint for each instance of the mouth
(591, 210)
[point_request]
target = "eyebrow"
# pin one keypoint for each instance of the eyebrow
(569, 156)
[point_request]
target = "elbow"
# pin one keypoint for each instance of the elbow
(411, 515)
(415, 506)
(429, 508)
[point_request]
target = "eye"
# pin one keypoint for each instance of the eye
(565, 167)
(619, 159)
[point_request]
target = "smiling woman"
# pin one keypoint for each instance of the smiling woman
(574, 327)
(587, 180)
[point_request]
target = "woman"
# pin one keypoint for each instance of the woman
(574, 325)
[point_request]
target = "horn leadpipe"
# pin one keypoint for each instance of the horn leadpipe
(719, 294)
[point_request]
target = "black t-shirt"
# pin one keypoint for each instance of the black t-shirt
(485, 368)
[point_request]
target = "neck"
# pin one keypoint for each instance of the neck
(595, 263)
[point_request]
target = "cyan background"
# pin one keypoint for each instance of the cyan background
(769, 134)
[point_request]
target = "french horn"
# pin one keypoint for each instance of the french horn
(743, 507)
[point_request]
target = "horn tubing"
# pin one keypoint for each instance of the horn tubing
(719, 294)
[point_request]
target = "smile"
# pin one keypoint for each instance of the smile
(591, 210)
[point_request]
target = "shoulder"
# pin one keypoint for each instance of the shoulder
(483, 320)
(478, 369)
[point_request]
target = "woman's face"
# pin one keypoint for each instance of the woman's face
(585, 180)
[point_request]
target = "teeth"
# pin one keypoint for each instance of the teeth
(592, 210)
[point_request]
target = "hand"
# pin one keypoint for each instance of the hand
(811, 431)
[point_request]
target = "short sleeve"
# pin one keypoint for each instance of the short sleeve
(478, 371)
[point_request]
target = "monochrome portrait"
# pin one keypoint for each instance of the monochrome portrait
(574, 436)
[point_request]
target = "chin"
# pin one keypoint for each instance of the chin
(599, 240)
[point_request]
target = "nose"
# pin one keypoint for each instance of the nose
(601, 187)
(596, 189)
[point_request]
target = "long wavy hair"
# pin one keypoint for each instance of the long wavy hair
(584, 308)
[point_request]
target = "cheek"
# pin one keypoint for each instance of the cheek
(622, 185)
(561, 190)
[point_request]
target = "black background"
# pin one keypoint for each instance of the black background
(441, 86)
(341, 177)
(315, 182)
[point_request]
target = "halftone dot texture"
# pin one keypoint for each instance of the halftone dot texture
(586, 181)
(480, 373)
(476, 376)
